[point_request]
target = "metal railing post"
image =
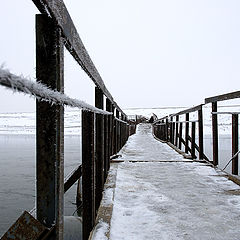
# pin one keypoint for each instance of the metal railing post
(177, 136)
(50, 127)
(200, 132)
(193, 141)
(215, 134)
(180, 135)
(109, 108)
(88, 172)
(186, 132)
(99, 155)
(235, 143)
(167, 135)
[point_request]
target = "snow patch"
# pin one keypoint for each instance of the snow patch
(100, 231)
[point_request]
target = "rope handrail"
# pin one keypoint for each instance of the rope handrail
(43, 93)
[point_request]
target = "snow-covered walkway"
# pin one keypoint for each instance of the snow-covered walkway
(167, 200)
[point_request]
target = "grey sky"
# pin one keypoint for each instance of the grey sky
(149, 53)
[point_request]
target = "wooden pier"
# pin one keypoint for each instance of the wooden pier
(152, 192)
(156, 184)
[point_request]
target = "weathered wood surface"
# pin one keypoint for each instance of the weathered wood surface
(223, 97)
(57, 10)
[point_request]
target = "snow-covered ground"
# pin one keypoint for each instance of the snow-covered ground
(168, 200)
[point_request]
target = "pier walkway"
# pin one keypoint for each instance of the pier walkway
(154, 193)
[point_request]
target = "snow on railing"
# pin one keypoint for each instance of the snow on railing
(43, 93)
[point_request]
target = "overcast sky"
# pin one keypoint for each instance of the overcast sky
(150, 53)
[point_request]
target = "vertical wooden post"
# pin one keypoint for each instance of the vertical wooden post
(180, 135)
(110, 131)
(99, 155)
(176, 138)
(50, 127)
(200, 133)
(186, 132)
(215, 134)
(113, 132)
(106, 145)
(171, 129)
(193, 141)
(235, 143)
(117, 131)
(158, 130)
(88, 171)
(167, 137)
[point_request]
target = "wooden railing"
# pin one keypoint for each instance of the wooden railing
(235, 135)
(105, 127)
(170, 129)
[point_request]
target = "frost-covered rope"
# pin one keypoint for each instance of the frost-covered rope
(43, 93)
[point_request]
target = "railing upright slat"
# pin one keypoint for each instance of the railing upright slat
(215, 134)
(186, 132)
(50, 127)
(167, 135)
(200, 133)
(193, 141)
(99, 156)
(180, 135)
(235, 143)
(88, 172)
(110, 131)
(177, 134)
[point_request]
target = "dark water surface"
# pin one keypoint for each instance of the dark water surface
(17, 175)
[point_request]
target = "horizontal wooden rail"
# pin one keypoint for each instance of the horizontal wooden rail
(190, 110)
(72, 178)
(223, 97)
(57, 10)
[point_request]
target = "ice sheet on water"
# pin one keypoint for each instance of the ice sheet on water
(25, 123)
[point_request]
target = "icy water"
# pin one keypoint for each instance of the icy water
(17, 175)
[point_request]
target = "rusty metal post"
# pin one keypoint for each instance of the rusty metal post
(193, 140)
(113, 132)
(186, 132)
(106, 145)
(235, 143)
(88, 171)
(116, 131)
(171, 129)
(200, 133)
(167, 136)
(215, 134)
(99, 155)
(177, 136)
(109, 108)
(180, 136)
(50, 127)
